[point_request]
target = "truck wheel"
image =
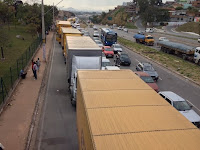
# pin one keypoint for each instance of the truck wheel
(184, 57)
(199, 62)
(73, 104)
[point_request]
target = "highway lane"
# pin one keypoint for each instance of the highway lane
(156, 35)
(58, 123)
(168, 29)
(168, 81)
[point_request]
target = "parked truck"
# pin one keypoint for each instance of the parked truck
(186, 52)
(68, 32)
(144, 39)
(79, 46)
(59, 25)
(116, 110)
(82, 63)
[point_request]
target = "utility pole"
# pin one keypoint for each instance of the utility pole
(43, 33)
(53, 13)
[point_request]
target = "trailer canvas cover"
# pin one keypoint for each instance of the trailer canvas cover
(116, 110)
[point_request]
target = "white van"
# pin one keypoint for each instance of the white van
(150, 30)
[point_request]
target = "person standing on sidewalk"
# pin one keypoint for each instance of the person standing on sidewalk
(35, 70)
(32, 65)
(38, 64)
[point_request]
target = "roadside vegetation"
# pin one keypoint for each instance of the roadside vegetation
(172, 62)
(15, 46)
(20, 25)
(189, 27)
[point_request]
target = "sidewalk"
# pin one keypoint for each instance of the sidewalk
(16, 119)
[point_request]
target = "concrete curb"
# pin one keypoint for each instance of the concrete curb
(38, 101)
(162, 65)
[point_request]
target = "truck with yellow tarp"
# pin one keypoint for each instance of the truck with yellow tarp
(68, 32)
(59, 25)
(116, 110)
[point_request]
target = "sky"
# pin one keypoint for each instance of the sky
(102, 5)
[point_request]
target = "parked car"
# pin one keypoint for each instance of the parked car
(199, 39)
(99, 43)
(105, 63)
(148, 68)
(125, 30)
(96, 34)
(124, 59)
(119, 28)
(116, 48)
(163, 39)
(150, 30)
(108, 51)
(148, 79)
(182, 106)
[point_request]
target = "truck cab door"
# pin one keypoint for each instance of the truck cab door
(197, 55)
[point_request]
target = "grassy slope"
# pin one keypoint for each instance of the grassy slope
(15, 47)
(175, 63)
(190, 27)
(119, 17)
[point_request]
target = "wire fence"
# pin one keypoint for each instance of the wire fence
(7, 81)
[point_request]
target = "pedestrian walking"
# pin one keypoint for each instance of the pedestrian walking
(35, 70)
(38, 64)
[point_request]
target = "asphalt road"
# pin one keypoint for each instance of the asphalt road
(168, 81)
(156, 35)
(58, 125)
(168, 29)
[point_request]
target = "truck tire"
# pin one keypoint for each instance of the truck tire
(199, 62)
(184, 57)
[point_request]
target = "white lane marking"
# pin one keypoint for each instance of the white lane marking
(137, 60)
(45, 102)
(160, 78)
(193, 105)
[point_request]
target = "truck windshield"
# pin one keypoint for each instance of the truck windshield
(149, 37)
(181, 105)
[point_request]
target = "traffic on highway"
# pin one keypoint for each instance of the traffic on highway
(93, 74)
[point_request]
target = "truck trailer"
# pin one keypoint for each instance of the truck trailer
(68, 32)
(82, 63)
(186, 52)
(59, 25)
(144, 39)
(116, 110)
(79, 46)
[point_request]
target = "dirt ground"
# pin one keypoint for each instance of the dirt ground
(16, 119)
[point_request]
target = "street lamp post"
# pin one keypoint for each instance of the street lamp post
(43, 33)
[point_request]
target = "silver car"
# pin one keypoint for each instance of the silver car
(182, 106)
(96, 34)
(116, 48)
(148, 68)
(99, 43)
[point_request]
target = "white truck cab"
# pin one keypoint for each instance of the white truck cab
(197, 55)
